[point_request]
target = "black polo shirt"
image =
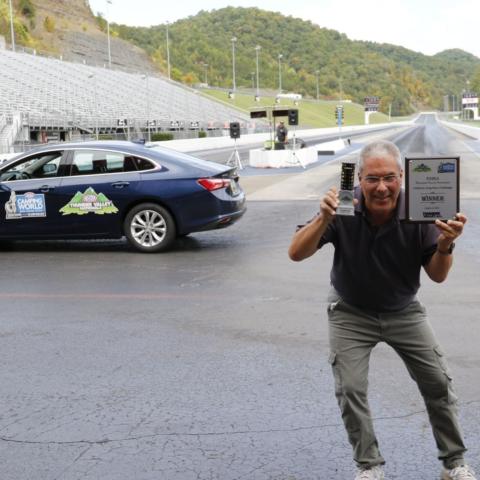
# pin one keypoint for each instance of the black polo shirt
(378, 268)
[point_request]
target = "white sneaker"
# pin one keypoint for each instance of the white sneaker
(373, 473)
(463, 472)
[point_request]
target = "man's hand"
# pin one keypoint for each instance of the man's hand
(450, 231)
(441, 262)
(329, 204)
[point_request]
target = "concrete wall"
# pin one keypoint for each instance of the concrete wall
(469, 130)
(192, 144)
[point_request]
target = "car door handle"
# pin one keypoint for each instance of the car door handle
(46, 188)
(120, 184)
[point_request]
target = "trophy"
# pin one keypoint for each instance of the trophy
(345, 194)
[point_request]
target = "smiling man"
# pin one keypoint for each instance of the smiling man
(375, 277)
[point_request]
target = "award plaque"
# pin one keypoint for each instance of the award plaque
(432, 188)
(345, 195)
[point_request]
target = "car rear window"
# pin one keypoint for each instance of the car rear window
(93, 162)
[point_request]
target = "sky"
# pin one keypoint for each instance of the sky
(427, 26)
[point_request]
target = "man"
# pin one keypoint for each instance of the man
(282, 133)
(375, 278)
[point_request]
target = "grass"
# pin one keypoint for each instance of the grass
(310, 112)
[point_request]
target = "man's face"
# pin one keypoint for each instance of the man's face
(381, 181)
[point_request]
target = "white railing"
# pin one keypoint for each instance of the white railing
(9, 132)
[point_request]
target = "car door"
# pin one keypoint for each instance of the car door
(29, 201)
(97, 191)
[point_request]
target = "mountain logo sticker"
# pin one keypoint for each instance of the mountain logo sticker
(89, 202)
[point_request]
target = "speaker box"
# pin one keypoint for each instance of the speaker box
(293, 116)
(234, 130)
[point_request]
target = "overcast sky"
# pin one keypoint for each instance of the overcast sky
(427, 26)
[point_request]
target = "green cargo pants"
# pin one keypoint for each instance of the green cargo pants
(353, 334)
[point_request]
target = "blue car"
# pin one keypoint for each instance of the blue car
(151, 195)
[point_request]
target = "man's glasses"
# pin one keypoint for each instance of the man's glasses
(387, 179)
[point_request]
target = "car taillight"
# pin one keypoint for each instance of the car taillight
(213, 183)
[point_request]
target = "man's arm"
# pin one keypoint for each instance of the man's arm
(441, 262)
(305, 241)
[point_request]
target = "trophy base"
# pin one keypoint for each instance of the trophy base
(346, 207)
(346, 210)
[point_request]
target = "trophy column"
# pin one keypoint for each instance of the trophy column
(345, 194)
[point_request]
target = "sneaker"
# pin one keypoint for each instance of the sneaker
(463, 472)
(372, 473)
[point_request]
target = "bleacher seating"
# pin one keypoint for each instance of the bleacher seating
(54, 93)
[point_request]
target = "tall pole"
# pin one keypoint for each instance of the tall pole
(280, 56)
(318, 91)
(206, 70)
(257, 50)
(92, 75)
(168, 54)
(12, 32)
(108, 2)
(234, 83)
(147, 105)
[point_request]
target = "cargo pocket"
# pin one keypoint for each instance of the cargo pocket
(332, 360)
(440, 356)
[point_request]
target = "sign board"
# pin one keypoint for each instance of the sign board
(469, 99)
(371, 104)
(432, 188)
(258, 113)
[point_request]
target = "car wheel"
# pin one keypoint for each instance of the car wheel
(149, 228)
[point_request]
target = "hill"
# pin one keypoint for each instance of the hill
(201, 46)
(405, 79)
(311, 113)
(68, 28)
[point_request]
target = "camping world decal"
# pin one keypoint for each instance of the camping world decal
(27, 205)
(89, 202)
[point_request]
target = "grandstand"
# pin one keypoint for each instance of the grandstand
(45, 99)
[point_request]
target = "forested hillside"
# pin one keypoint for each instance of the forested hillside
(405, 79)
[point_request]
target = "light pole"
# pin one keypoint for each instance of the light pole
(280, 56)
(206, 70)
(234, 83)
(147, 105)
(108, 2)
(92, 75)
(318, 91)
(12, 32)
(257, 50)
(168, 53)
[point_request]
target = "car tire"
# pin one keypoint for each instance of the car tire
(149, 228)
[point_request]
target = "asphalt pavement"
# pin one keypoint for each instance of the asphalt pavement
(210, 362)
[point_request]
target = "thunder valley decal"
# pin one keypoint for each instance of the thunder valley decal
(89, 201)
(27, 205)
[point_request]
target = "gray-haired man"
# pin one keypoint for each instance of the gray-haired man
(375, 277)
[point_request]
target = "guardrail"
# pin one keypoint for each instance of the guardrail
(469, 130)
